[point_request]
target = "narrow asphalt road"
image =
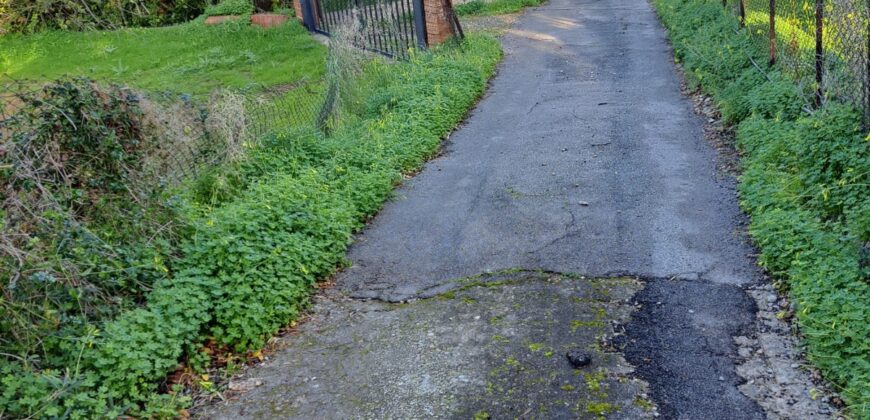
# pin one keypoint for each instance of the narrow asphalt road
(583, 158)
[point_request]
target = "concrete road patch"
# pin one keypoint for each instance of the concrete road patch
(494, 347)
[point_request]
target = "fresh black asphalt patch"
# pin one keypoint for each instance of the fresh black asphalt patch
(680, 341)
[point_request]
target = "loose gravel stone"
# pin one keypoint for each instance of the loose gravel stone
(578, 358)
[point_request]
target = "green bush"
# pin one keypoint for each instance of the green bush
(805, 183)
(259, 246)
(473, 7)
(230, 7)
(733, 101)
(31, 16)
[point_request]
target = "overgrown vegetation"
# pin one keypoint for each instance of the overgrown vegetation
(82, 238)
(805, 182)
(259, 232)
(27, 16)
(493, 7)
(30, 16)
(191, 58)
(89, 225)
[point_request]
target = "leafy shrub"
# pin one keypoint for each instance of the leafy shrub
(230, 7)
(31, 16)
(733, 101)
(805, 183)
(772, 97)
(257, 248)
(778, 98)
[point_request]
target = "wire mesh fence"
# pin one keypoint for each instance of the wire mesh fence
(822, 44)
(187, 136)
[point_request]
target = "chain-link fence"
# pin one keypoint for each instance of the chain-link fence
(188, 135)
(822, 44)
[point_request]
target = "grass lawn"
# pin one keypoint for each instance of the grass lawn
(493, 7)
(190, 58)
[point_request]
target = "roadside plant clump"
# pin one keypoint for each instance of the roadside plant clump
(29, 16)
(257, 245)
(493, 7)
(805, 182)
(82, 240)
(230, 7)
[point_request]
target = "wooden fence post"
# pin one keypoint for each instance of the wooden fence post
(820, 65)
(742, 13)
(772, 31)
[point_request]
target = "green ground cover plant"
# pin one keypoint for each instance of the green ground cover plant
(805, 182)
(261, 231)
(190, 58)
(493, 7)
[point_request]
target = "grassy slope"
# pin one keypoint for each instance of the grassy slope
(189, 58)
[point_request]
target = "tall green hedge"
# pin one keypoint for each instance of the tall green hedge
(805, 183)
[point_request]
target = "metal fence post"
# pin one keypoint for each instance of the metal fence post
(308, 15)
(772, 9)
(742, 13)
(820, 67)
(420, 24)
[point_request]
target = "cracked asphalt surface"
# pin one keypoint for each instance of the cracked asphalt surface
(583, 158)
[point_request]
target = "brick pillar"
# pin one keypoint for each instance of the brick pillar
(438, 28)
(297, 6)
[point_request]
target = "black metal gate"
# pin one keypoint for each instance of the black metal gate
(389, 27)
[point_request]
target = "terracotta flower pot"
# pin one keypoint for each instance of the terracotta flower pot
(214, 20)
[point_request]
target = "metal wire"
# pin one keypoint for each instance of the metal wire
(185, 141)
(822, 44)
